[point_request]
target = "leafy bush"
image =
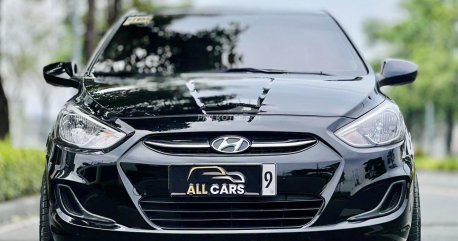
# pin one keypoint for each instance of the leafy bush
(427, 163)
(20, 171)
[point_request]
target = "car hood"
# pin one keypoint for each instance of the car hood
(234, 94)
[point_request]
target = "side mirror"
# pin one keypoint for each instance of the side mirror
(397, 72)
(61, 74)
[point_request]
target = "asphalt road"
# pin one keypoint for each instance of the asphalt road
(439, 200)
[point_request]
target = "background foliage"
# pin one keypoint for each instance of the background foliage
(20, 171)
(428, 36)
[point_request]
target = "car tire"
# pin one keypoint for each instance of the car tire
(415, 230)
(45, 228)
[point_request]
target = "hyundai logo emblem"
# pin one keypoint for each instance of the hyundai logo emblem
(230, 144)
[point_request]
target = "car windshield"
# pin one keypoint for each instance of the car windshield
(167, 45)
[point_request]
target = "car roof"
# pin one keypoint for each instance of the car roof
(230, 12)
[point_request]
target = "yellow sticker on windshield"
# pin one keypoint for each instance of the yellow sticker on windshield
(138, 20)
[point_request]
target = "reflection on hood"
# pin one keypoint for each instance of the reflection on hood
(229, 94)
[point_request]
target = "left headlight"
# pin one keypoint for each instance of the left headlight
(382, 126)
(83, 131)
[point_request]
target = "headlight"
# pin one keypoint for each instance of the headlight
(382, 126)
(81, 130)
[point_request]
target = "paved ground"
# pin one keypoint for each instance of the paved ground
(439, 200)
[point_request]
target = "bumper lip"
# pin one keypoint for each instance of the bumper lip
(65, 221)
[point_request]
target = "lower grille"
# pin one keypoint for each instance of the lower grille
(284, 211)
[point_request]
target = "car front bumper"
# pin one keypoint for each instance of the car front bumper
(351, 182)
(394, 227)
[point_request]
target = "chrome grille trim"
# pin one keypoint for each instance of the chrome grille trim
(178, 144)
(225, 211)
(261, 143)
(254, 144)
(294, 143)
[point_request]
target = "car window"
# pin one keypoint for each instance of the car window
(174, 44)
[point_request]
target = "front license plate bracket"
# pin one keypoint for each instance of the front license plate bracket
(222, 180)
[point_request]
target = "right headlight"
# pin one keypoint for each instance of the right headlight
(84, 131)
(382, 126)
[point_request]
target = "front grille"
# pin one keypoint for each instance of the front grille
(284, 211)
(261, 143)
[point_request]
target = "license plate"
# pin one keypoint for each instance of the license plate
(223, 180)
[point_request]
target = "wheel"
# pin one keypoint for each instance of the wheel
(415, 230)
(45, 229)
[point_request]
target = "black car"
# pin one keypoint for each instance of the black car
(229, 126)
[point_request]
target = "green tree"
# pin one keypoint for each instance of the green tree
(4, 118)
(90, 37)
(97, 26)
(428, 35)
(114, 8)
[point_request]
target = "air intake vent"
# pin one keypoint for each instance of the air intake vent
(284, 211)
(70, 204)
(261, 143)
(393, 198)
(391, 202)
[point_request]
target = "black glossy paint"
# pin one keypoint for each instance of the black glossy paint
(350, 180)
(235, 94)
(61, 74)
(398, 72)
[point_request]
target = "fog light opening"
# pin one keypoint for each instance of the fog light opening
(70, 205)
(393, 198)
(390, 202)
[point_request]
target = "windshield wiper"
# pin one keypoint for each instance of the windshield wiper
(255, 70)
(126, 74)
(232, 70)
(271, 71)
(115, 74)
